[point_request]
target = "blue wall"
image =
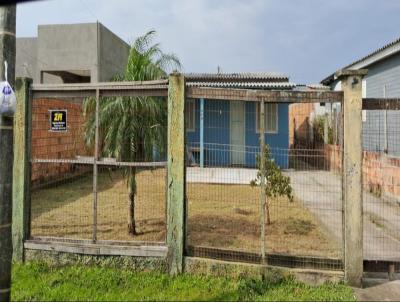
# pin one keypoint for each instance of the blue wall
(217, 134)
(278, 142)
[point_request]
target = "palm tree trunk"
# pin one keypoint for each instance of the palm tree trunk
(267, 210)
(131, 201)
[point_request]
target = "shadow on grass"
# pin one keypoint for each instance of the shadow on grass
(57, 195)
(220, 231)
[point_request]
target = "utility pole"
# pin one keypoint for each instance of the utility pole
(7, 53)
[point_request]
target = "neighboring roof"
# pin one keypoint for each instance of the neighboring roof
(312, 87)
(240, 77)
(244, 80)
(375, 56)
(244, 85)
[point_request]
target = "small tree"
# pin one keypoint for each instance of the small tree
(276, 184)
(131, 127)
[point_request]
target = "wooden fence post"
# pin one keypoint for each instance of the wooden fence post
(22, 168)
(263, 195)
(176, 174)
(351, 81)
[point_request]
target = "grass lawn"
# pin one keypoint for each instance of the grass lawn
(219, 215)
(39, 282)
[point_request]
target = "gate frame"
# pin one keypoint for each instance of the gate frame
(26, 92)
(177, 92)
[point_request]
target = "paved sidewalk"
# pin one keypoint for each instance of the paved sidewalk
(320, 192)
(389, 291)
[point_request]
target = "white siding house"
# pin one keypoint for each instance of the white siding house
(381, 129)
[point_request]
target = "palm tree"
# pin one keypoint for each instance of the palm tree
(131, 127)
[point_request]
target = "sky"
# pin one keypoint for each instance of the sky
(305, 39)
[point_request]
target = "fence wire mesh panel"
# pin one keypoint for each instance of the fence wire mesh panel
(98, 167)
(223, 209)
(148, 208)
(61, 188)
(381, 184)
(303, 197)
(63, 208)
(312, 221)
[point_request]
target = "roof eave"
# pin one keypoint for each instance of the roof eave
(328, 80)
(382, 53)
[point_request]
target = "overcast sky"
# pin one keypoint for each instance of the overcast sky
(307, 40)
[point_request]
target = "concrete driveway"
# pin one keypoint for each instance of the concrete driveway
(320, 192)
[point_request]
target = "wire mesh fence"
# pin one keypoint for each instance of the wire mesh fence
(117, 204)
(61, 200)
(94, 175)
(223, 209)
(381, 184)
(63, 208)
(303, 208)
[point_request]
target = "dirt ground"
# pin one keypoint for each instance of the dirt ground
(219, 215)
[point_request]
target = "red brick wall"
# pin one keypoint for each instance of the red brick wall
(299, 125)
(56, 145)
(333, 157)
(381, 173)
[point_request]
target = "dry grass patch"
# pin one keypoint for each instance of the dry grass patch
(228, 216)
(224, 216)
(66, 210)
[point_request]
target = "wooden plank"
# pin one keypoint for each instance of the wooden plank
(109, 89)
(101, 85)
(50, 239)
(112, 92)
(63, 94)
(97, 249)
(176, 174)
(22, 168)
(150, 91)
(274, 259)
(221, 94)
(272, 96)
(105, 162)
(95, 167)
(201, 133)
(263, 195)
(381, 104)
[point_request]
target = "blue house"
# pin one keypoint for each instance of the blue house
(226, 133)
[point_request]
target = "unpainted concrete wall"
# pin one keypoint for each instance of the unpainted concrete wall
(83, 49)
(67, 47)
(114, 54)
(26, 58)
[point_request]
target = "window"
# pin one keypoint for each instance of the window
(271, 118)
(190, 116)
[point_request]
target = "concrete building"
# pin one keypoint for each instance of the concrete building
(71, 53)
(381, 128)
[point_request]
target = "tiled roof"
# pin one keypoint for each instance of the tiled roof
(241, 76)
(244, 85)
(311, 87)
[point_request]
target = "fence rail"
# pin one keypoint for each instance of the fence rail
(105, 162)
(107, 89)
(271, 96)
